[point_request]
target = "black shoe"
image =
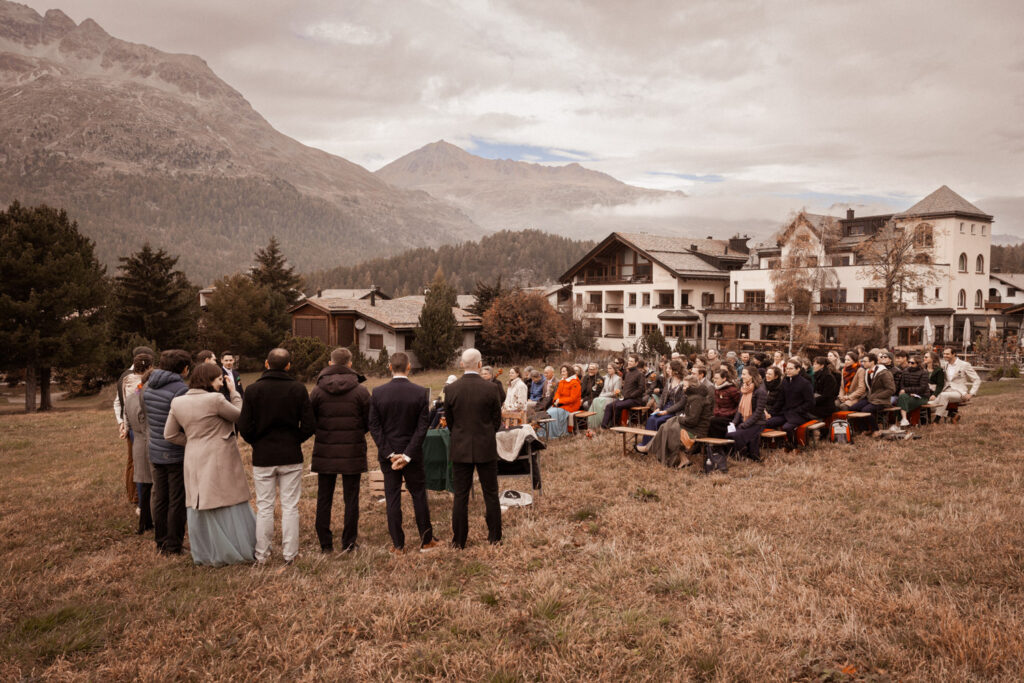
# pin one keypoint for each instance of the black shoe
(327, 549)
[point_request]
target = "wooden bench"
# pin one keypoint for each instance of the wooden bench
(889, 416)
(709, 443)
(580, 418)
(638, 416)
(815, 430)
(541, 424)
(770, 437)
(856, 421)
(636, 432)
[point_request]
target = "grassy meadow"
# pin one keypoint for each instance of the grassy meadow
(880, 561)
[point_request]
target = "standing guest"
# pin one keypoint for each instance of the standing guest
(914, 390)
(958, 373)
(750, 414)
(487, 372)
(629, 395)
(124, 382)
(473, 407)
(341, 412)
(835, 361)
(565, 403)
(398, 424)
(138, 434)
(206, 356)
(590, 386)
(772, 384)
(535, 392)
(610, 390)
(682, 431)
(221, 526)
(826, 389)
(167, 459)
(674, 401)
(726, 401)
(276, 418)
(880, 388)
(515, 399)
(853, 387)
(227, 363)
(794, 404)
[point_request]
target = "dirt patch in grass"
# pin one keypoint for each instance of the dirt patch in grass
(879, 561)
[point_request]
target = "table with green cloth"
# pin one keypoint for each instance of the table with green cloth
(436, 462)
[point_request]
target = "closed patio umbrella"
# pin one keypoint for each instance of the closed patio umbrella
(992, 327)
(967, 332)
(928, 333)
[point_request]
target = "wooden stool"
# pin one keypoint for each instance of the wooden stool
(719, 460)
(770, 437)
(579, 420)
(813, 430)
(890, 416)
(855, 418)
(513, 418)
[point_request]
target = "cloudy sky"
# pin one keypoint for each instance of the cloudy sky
(754, 109)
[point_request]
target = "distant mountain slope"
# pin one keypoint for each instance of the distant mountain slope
(141, 145)
(499, 194)
(524, 258)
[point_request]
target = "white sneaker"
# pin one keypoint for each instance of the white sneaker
(894, 428)
(904, 422)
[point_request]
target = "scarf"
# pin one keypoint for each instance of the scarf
(746, 400)
(848, 374)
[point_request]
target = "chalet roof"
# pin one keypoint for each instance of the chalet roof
(943, 202)
(461, 300)
(398, 314)
(679, 314)
(1015, 280)
(350, 294)
(679, 245)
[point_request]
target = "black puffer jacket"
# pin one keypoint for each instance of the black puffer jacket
(341, 411)
(914, 380)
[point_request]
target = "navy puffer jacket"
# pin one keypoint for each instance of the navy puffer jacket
(162, 388)
(341, 410)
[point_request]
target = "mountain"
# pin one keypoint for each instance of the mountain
(524, 258)
(141, 145)
(499, 193)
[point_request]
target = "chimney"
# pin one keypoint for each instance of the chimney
(739, 244)
(373, 295)
(319, 293)
(849, 214)
(693, 247)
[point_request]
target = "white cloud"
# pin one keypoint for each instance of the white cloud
(343, 32)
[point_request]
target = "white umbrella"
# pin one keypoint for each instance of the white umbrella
(967, 332)
(992, 327)
(928, 333)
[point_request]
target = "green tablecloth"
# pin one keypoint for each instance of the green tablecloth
(435, 460)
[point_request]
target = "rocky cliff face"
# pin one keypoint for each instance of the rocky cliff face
(141, 145)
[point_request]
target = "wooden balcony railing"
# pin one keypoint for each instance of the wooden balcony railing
(748, 307)
(613, 308)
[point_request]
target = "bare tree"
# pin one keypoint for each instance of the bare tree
(806, 272)
(898, 260)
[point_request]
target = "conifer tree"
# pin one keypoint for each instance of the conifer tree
(437, 334)
(155, 301)
(53, 293)
(272, 271)
(243, 316)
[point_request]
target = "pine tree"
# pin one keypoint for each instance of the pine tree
(53, 294)
(155, 301)
(243, 316)
(437, 335)
(272, 271)
(485, 295)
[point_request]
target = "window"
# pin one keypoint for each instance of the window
(979, 264)
(829, 334)
(665, 299)
(841, 260)
(1011, 291)
(311, 327)
(776, 332)
(375, 341)
(647, 328)
(407, 340)
(922, 258)
(872, 296)
(972, 228)
(920, 295)
(963, 263)
(684, 331)
(774, 263)
(646, 300)
(632, 298)
(979, 299)
(833, 296)
(938, 293)
(579, 299)
(684, 299)
(632, 329)
(716, 330)
(982, 230)
(743, 331)
(707, 299)
(961, 228)
(908, 336)
(754, 296)
(812, 261)
(961, 299)
(940, 334)
(923, 236)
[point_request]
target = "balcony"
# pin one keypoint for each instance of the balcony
(855, 307)
(593, 308)
(748, 307)
(615, 280)
(613, 335)
(613, 308)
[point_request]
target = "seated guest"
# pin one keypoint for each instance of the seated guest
(590, 386)
(515, 399)
(900, 362)
(936, 375)
(772, 381)
(727, 400)
(535, 391)
(750, 414)
(914, 391)
(958, 373)
(437, 409)
(853, 388)
(834, 361)
(673, 402)
(487, 373)
(610, 390)
(566, 402)
(682, 431)
(826, 389)
(652, 391)
(549, 389)
(794, 403)
(880, 388)
(630, 395)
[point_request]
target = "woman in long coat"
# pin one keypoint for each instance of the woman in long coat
(135, 416)
(667, 444)
(750, 414)
(221, 524)
(612, 384)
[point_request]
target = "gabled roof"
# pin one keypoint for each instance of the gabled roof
(1015, 280)
(398, 314)
(350, 294)
(944, 202)
(461, 300)
(815, 221)
(681, 255)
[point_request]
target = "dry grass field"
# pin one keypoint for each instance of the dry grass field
(880, 561)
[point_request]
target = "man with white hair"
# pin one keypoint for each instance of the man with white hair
(472, 406)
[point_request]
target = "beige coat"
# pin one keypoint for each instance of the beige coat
(858, 389)
(203, 422)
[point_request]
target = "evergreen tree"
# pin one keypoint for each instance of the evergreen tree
(485, 295)
(654, 343)
(53, 293)
(272, 271)
(437, 334)
(154, 301)
(243, 316)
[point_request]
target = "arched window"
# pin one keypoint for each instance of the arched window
(963, 263)
(961, 299)
(923, 236)
(979, 265)
(979, 299)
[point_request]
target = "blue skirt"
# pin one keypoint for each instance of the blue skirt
(560, 426)
(222, 536)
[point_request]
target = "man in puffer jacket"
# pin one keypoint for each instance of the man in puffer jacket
(168, 497)
(341, 412)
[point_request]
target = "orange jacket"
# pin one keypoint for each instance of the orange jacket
(568, 394)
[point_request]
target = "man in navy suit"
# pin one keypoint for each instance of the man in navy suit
(472, 406)
(399, 416)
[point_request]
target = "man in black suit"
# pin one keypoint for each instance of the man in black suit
(472, 406)
(399, 415)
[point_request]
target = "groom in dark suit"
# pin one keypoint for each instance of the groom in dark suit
(472, 406)
(399, 415)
